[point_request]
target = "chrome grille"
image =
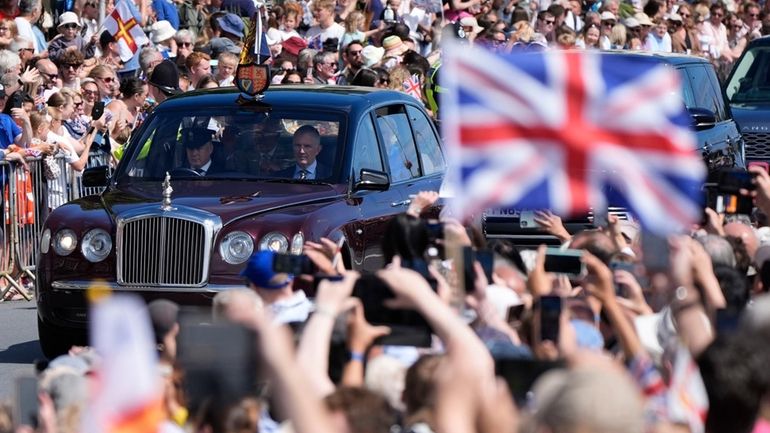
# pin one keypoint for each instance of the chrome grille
(163, 251)
(757, 145)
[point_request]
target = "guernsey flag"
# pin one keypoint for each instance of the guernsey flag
(126, 394)
(127, 32)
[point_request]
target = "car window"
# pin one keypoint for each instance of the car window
(237, 144)
(750, 80)
(431, 158)
(687, 94)
(704, 95)
(398, 143)
(713, 81)
(367, 152)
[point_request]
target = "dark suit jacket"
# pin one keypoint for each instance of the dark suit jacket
(214, 168)
(321, 171)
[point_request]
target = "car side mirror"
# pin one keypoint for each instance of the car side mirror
(96, 176)
(702, 118)
(372, 180)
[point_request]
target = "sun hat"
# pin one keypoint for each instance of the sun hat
(231, 23)
(643, 19)
(372, 55)
(161, 31)
(68, 18)
(607, 15)
(471, 22)
(394, 46)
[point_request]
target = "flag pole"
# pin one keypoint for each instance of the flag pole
(102, 13)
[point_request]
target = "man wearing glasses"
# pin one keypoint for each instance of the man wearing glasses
(752, 24)
(70, 64)
(69, 38)
(545, 25)
(718, 33)
(324, 68)
(354, 60)
(50, 74)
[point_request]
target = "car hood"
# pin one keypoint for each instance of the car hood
(752, 117)
(232, 201)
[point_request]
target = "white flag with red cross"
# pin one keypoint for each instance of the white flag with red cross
(126, 30)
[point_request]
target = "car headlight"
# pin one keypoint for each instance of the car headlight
(297, 242)
(96, 245)
(274, 241)
(236, 248)
(64, 242)
(45, 241)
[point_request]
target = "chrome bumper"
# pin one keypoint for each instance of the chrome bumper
(87, 284)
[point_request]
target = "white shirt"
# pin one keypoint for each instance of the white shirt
(204, 168)
(24, 28)
(294, 309)
(333, 31)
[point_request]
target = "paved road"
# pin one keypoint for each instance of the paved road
(18, 344)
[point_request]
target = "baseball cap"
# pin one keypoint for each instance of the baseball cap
(259, 271)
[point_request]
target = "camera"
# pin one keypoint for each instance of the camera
(294, 264)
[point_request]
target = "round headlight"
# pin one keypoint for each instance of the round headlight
(297, 242)
(64, 242)
(274, 241)
(236, 248)
(45, 241)
(96, 245)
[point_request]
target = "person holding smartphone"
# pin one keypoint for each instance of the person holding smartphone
(276, 289)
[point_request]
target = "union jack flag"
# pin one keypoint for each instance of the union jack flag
(412, 86)
(570, 131)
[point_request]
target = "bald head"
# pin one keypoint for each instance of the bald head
(744, 233)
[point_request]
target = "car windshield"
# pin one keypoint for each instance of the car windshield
(235, 144)
(750, 81)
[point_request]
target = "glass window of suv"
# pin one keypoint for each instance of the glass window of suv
(750, 80)
(705, 97)
(719, 100)
(366, 153)
(398, 143)
(431, 158)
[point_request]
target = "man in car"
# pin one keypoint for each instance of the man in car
(307, 145)
(199, 147)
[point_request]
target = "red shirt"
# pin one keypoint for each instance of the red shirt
(12, 15)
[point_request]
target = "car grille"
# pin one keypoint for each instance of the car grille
(757, 145)
(163, 251)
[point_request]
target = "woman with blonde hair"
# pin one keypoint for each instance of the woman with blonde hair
(61, 108)
(8, 32)
(618, 37)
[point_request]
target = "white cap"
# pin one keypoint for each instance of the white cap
(161, 31)
(68, 18)
(607, 15)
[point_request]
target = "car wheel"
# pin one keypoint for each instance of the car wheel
(55, 341)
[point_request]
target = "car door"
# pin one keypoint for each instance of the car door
(376, 208)
(430, 157)
(719, 142)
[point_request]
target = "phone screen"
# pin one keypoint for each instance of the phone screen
(550, 314)
(487, 260)
(26, 401)
(568, 262)
(293, 264)
(97, 111)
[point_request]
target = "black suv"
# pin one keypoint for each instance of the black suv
(719, 142)
(748, 91)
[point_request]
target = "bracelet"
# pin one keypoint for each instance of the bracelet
(328, 312)
(357, 356)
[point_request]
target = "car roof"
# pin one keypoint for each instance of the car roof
(763, 41)
(671, 58)
(344, 98)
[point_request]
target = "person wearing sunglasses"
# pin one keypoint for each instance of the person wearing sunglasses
(752, 22)
(70, 65)
(714, 29)
(69, 38)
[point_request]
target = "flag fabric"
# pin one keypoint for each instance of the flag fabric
(128, 33)
(127, 394)
(412, 86)
(261, 47)
(569, 131)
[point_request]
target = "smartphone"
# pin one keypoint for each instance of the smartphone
(486, 259)
(732, 181)
(220, 361)
(527, 220)
(97, 111)
(294, 264)
(26, 401)
(435, 231)
(655, 253)
(520, 374)
(731, 204)
(622, 266)
(550, 316)
(568, 262)
(469, 272)
(407, 327)
(18, 100)
(515, 313)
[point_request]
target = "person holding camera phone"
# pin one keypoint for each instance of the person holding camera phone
(276, 289)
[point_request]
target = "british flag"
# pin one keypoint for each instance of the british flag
(570, 131)
(412, 86)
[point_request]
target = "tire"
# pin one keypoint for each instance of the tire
(55, 341)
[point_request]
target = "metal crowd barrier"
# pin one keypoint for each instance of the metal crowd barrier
(27, 199)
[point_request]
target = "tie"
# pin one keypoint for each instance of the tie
(303, 174)
(200, 171)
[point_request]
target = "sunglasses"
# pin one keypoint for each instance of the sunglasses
(90, 92)
(52, 76)
(4, 29)
(684, 15)
(185, 44)
(719, 15)
(355, 53)
(107, 79)
(549, 21)
(93, 5)
(32, 50)
(754, 15)
(70, 26)
(608, 23)
(78, 104)
(73, 65)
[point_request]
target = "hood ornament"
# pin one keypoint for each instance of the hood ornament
(167, 190)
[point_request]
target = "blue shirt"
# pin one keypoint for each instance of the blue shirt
(9, 130)
(165, 10)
